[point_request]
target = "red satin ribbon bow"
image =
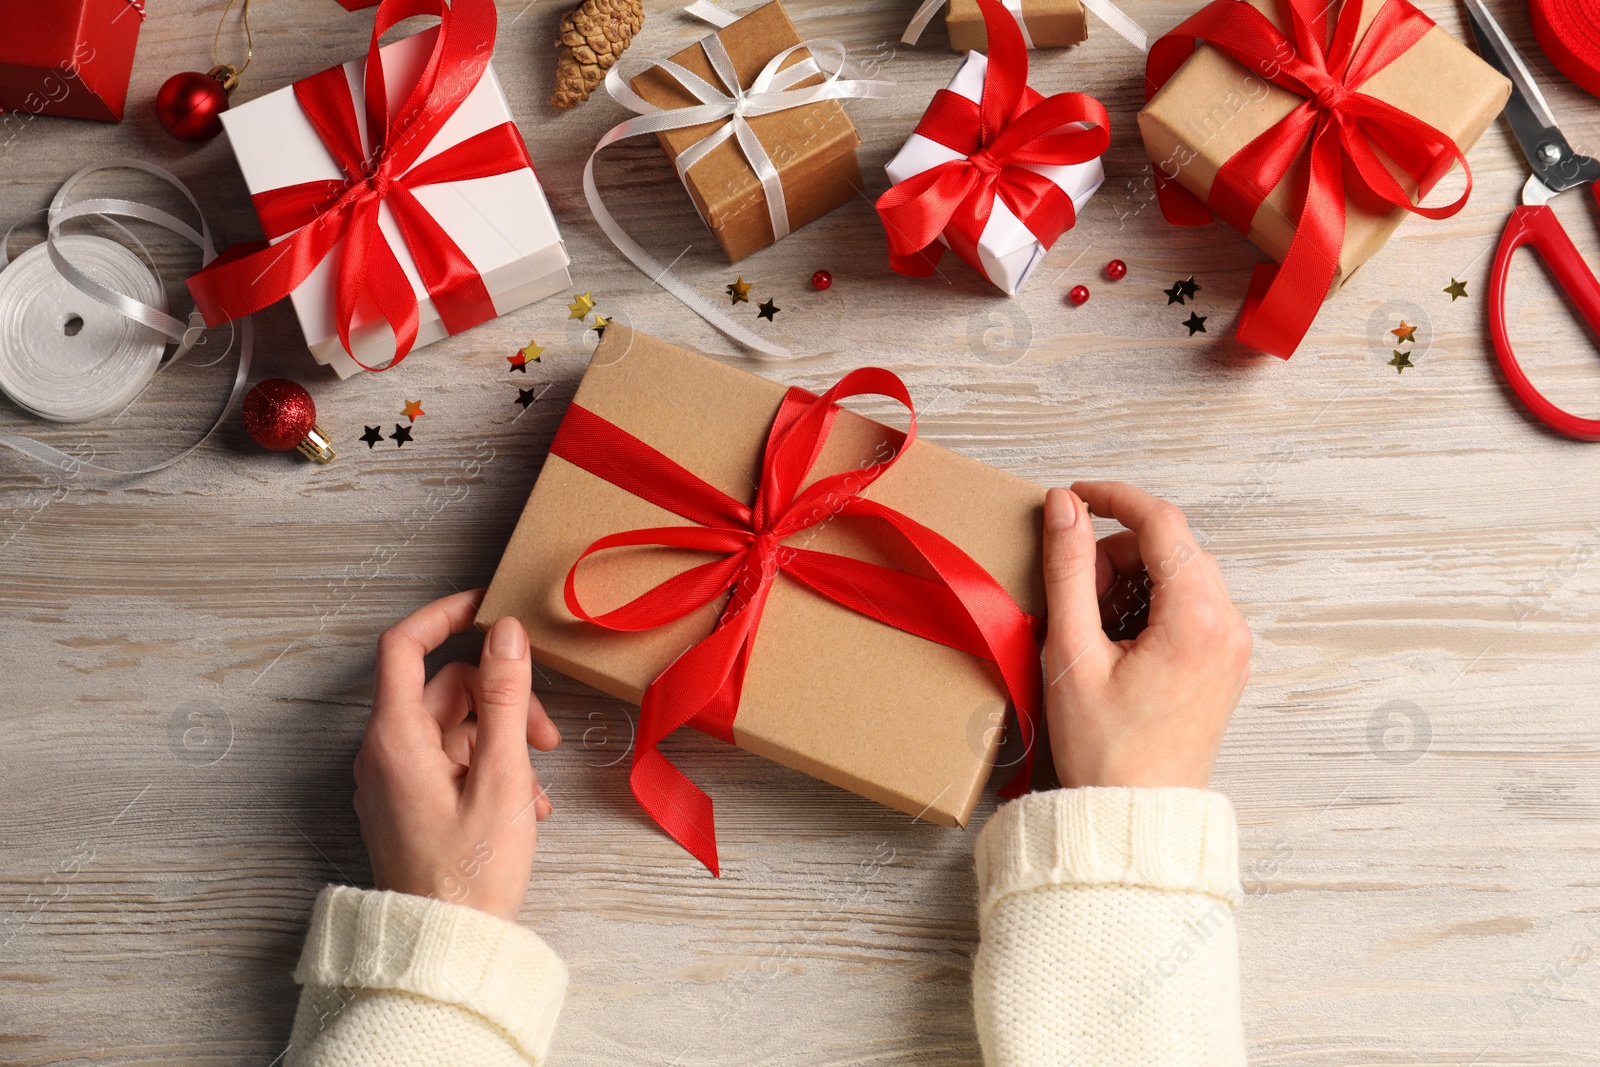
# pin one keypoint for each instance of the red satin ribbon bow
(965, 608)
(1010, 128)
(1343, 126)
(322, 214)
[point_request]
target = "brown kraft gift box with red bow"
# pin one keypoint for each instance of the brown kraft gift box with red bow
(1214, 106)
(813, 147)
(885, 714)
(1050, 23)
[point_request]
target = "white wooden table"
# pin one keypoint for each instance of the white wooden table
(187, 657)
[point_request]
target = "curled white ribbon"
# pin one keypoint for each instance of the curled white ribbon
(185, 335)
(775, 89)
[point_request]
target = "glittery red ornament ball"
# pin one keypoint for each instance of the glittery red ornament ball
(278, 414)
(190, 106)
(1078, 294)
(1116, 270)
(821, 280)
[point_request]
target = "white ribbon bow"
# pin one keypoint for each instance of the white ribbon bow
(776, 88)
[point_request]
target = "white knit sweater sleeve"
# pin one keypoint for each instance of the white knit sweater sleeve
(398, 980)
(1107, 935)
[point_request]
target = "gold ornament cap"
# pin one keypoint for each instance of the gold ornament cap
(316, 446)
(227, 74)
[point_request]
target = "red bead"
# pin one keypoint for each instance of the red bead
(190, 106)
(821, 280)
(1116, 270)
(278, 414)
(1078, 294)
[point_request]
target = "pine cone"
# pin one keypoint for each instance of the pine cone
(593, 37)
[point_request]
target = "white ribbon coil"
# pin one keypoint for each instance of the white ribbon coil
(776, 88)
(84, 322)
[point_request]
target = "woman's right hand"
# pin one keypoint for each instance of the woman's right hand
(1150, 710)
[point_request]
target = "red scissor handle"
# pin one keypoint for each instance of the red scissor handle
(1537, 225)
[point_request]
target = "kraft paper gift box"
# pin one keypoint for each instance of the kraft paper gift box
(1214, 106)
(1048, 23)
(67, 57)
(890, 716)
(1007, 249)
(502, 223)
(813, 146)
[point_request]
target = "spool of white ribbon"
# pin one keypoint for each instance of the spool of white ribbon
(84, 322)
(64, 356)
(776, 88)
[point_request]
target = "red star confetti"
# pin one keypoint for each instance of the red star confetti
(1404, 333)
(413, 409)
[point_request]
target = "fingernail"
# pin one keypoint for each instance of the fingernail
(1066, 515)
(507, 639)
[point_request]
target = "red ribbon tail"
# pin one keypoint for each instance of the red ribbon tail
(919, 264)
(677, 805)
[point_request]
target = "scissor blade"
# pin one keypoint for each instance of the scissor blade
(1555, 165)
(1497, 49)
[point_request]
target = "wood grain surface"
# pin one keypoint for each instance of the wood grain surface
(187, 657)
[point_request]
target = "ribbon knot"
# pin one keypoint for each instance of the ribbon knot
(347, 211)
(1001, 137)
(1331, 96)
(962, 606)
(1284, 298)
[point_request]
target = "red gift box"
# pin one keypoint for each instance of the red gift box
(68, 57)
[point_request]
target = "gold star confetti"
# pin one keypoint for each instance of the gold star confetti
(580, 306)
(1401, 361)
(1456, 289)
(600, 324)
(413, 409)
(1405, 333)
(740, 291)
(531, 351)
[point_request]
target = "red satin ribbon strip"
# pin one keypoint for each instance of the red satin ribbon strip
(319, 216)
(1568, 32)
(1011, 128)
(964, 607)
(1343, 126)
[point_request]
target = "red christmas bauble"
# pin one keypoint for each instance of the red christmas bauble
(821, 280)
(1116, 270)
(190, 106)
(1078, 294)
(278, 414)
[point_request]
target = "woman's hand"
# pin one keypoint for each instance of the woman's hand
(1149, 711)
(448, 800)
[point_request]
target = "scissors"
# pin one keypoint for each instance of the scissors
(1556, 168)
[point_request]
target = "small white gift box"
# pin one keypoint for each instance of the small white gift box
(1007, 249)
(502, 222)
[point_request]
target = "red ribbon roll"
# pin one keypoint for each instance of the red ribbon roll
(322, 215)
(1010, 128)
(1568, 32)
(1343, 126)
(965, 608)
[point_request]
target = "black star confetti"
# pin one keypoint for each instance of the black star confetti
(769, 307)
(1196, 323)
(1401, 361)
(526, 398)
(1175, 294)
(373, 435)
(401, 435)
(1189, 287)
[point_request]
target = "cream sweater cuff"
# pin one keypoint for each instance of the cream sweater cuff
(1177, 839)
(367, 939)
